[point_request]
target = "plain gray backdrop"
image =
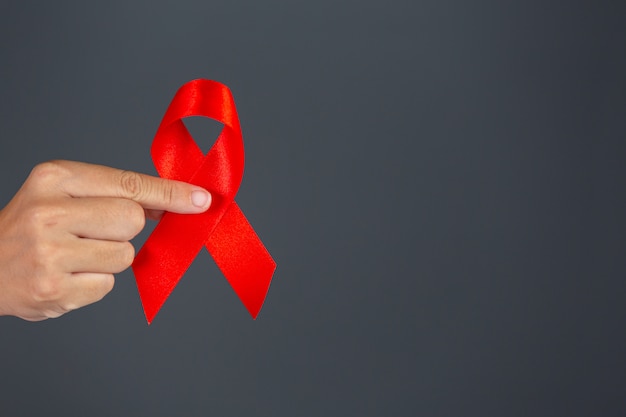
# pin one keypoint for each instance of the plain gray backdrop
(441, 184)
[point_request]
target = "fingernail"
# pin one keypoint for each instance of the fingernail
(200, 198)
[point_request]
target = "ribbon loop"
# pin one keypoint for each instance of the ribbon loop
(223, 229)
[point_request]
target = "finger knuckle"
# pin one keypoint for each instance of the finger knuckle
(131, 184)
(107, 284)
(135, 217)
(41, 216)
(127, 254)
(101, 286)
(46, 289)
(104, 285)
(49, 172)
(167, 192)
(46, 256)
(56, 312)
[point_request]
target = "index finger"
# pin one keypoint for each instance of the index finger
(78, 179)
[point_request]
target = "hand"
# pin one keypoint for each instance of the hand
(67, 231)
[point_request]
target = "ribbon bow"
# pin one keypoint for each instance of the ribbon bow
(223, 229)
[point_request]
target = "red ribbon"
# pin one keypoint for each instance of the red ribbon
(223, 229)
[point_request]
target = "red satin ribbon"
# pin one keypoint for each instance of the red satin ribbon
(223, 229)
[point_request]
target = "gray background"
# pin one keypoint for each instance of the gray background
(441, 184)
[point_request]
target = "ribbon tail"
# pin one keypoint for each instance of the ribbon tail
(242, 258)
(164, 259)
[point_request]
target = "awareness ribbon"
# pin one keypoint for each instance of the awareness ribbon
(222, 229)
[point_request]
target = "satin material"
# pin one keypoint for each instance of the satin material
(223, 229)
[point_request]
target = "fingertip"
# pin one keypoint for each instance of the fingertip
(201, 199)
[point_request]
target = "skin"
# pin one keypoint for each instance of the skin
(68, 230)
